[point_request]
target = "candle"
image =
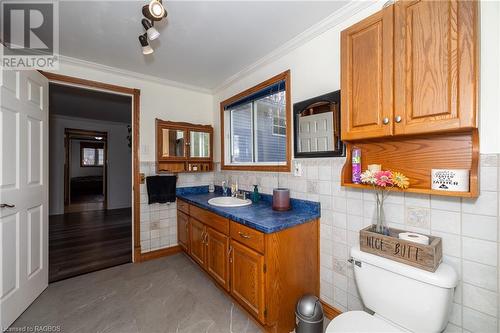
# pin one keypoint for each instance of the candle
(374, 167)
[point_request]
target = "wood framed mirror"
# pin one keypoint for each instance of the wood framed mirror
(317, 127)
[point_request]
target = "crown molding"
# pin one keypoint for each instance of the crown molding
(127, 73)
(335, 19)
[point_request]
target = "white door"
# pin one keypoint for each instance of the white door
(316, 132)
(24, 188)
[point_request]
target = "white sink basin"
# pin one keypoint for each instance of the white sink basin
(229, 202)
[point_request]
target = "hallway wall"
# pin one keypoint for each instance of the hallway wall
(119, 176)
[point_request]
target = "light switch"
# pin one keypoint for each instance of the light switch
(297, 169)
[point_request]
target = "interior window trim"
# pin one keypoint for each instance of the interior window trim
(226, 159)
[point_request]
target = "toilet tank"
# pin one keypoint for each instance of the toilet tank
(412, 298)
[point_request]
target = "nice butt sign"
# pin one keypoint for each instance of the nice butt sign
(427, 257)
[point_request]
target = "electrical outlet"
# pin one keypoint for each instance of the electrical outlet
(297, 169)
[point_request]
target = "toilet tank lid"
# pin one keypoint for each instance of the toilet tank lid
(444, 276)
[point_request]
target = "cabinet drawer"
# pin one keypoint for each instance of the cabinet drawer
(183, 206)
(250, 237)
(215, 221)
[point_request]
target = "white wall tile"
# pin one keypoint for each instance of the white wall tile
(446, 203)
(480, 275)
(481, 251)
(480, 226)
(485, 204)
(451, 243)
(447, 221)
(480, 299)
(418, 217)
(419, 200)
(488, 178)
(475, 321)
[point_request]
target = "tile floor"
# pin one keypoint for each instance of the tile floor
(165, 295)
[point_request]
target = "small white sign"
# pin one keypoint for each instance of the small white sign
(450, 180)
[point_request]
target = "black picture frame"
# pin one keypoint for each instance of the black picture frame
(339, 147)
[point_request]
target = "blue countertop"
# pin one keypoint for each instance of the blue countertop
(259, 216)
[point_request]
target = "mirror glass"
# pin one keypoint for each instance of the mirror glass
(200, 144)
(173, 142)
(316, 128)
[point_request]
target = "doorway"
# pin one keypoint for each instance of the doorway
(90, 180)
(85, 181)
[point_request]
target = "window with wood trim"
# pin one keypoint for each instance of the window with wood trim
(91, 154)
(256, 127)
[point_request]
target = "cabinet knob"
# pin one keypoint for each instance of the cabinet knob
(398, 119)
(385, 120)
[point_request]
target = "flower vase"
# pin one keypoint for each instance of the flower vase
(380, 226)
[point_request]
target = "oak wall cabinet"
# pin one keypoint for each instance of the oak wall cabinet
(183, 147)
(410, 68)
(265, 273)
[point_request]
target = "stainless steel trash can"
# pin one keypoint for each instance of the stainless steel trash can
(309, 315)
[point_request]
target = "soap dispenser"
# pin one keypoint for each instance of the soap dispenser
(255, 194)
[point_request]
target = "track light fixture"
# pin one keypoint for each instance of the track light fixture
(150, 30)
(146, 48)
(152, 12)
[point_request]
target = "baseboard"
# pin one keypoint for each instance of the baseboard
(160, 253)
(330, 311)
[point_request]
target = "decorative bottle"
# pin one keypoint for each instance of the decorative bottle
(356, 165)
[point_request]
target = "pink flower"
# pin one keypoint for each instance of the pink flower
(383, 178)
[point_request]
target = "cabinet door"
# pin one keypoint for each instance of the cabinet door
(366, 77)
(435, 66)
(197, 236)
(247, 279)
(217, 257)
(183, 230)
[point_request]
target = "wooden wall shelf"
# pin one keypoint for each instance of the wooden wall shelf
(415, 156)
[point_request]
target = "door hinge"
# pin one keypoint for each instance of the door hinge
(265, 312)
(265, 268)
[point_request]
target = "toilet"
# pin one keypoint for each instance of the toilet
(403, 298)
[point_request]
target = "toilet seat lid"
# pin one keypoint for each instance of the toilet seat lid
(360, 321)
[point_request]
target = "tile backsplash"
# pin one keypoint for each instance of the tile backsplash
(469, 228)
(159, 221)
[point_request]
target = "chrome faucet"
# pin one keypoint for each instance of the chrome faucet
(224, 188)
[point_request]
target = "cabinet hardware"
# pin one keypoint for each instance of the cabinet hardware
(385, 120)
(7, 206)
(244, 235)
(398, 119)
(265, 268)
(229, 254)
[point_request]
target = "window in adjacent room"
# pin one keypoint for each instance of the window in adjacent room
(255, 135)
(91, 154)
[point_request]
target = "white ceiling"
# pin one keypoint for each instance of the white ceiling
(201, 43)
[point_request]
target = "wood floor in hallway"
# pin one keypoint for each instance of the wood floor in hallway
(84, 242)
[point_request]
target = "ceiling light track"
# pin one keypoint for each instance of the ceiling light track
(153, 12)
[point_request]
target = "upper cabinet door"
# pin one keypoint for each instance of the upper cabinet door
(367, 77)
(435, 64)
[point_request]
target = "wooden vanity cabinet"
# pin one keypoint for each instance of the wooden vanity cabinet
(197, 234)
(410, 68)
(183, 230)
(366, 77)
(217, 256)
(435, 66)
(247, 279)
(265, 273)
